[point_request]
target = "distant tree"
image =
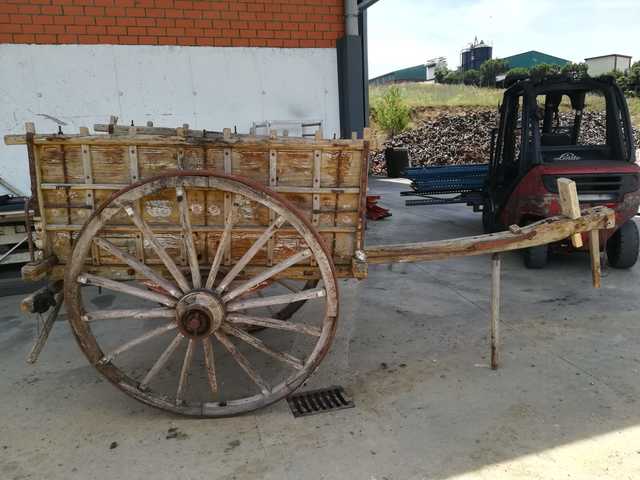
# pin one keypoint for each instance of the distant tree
(633, 78)
(391, 112)
(621, 78)
(440, 74)
(453, 77)
(471, 77)
(543, 70)
(576, 71)
(515, 74)
(490, 69)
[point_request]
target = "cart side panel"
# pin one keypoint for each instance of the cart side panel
(324, 180)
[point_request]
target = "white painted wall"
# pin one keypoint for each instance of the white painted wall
(206, 87)
(601, 65)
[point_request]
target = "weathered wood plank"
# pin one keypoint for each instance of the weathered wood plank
(539, 233)
(570, 206)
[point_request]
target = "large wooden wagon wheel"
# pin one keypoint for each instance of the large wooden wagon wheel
(198, 317)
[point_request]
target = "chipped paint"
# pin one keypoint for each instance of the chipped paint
(213, 210)
(158, 208)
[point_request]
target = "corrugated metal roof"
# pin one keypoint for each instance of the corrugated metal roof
(532, 58)
(410, 74)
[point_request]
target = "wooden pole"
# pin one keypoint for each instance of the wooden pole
(495, 310)
(594, 251)
(46, 330)
(570, 205)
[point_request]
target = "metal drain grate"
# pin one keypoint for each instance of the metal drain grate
(319, 401)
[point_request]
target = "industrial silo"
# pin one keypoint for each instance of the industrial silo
(475, 55)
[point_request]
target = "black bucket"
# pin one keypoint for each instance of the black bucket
(397, 159)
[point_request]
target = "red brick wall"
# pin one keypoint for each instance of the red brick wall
(240, 23)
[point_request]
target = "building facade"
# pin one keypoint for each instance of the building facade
(209, 63)
(608, 63)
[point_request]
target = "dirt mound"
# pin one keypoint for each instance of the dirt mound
(464, 136)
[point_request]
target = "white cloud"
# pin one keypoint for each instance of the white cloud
(403, 33)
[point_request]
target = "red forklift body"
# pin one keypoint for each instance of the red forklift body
(612, 184)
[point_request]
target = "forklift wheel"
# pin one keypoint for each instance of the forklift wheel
(488, 218)
(536, 257)
(622, 247)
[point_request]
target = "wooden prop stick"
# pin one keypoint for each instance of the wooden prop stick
(570, 205)
(594, 251)
(495, 310)
(46, 330)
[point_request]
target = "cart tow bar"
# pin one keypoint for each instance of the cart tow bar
(571, 224)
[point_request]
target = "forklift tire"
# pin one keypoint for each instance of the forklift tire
(622, 247)
(488, 218)
(536, 257)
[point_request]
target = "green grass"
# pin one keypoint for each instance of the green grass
(429, 95)
(433, 95)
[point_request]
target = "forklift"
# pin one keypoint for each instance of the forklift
(531, 149)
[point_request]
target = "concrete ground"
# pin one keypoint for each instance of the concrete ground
(411, 350)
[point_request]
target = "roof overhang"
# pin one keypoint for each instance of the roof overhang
(364, 4)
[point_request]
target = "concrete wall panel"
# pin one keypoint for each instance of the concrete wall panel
(206, 87)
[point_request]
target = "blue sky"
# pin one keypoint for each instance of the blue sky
(403, 33)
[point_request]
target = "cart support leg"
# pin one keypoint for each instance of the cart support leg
(46, 330)
(594, 250)
(495, 309)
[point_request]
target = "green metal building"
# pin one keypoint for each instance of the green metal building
(532, 58)
(411, 74)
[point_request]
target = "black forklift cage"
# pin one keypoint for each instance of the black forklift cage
(617, 115)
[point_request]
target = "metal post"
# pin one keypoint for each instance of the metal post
(495, 310)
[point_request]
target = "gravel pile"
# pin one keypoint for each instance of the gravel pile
(463, 137)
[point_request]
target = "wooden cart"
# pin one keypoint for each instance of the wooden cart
(216, 241)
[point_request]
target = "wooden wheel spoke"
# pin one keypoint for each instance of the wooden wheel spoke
(161, 362)
(137, 265)
(184, 372)
(88, 279)
(243, 362)
(237, 319)
(267, 274)
(187, 234)
(249, 254)
(222, 245)
(137, 341)
(276, 299)
(129, 314)
(210, 365)
(158, 248)
(269, 307)
(260, 345)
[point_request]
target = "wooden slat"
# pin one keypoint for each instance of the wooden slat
(134, 170)
(273, 183)
(570, 205)
(119, 186)
(317, 172)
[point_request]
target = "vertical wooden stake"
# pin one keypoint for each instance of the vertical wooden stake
(495, 310)
(46, 330)
(594, 251)
(570, 205)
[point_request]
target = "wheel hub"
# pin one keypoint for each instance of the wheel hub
(200, 313)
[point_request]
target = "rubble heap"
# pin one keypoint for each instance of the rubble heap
(463, 137)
